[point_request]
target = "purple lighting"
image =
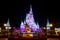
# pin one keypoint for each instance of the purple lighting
(30, 10)
(30, 21)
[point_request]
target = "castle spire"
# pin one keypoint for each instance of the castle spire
(30, 9)
(22, 25)
(8, 24)
(47, 23)
(37, 25)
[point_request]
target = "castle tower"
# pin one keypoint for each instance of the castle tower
(30, 20)
(8, 24)
(48, 24)
(22, 26)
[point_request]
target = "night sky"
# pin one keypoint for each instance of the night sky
(17, 10)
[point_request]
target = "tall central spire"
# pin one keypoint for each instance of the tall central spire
(29, 18)
(30, 9)
(30, 21)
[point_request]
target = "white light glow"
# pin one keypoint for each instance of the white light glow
(30, 21)
(4, 24)
(22, 25)
(0, 29)
(57, 28)
(48, 24)
(8, 24)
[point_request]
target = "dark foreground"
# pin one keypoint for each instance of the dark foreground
(53, 38)
(3, 38)
(24, 38)
(30, 39)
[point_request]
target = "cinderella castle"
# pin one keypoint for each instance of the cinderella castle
(30, 22)
(29, 26)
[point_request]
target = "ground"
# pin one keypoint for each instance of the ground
(53, 38)
(3, 38)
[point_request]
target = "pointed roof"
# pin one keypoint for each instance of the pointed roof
(37, 25)
(30, 9)
(30, 15)
(48, 24)
(8, 24)
(22, 23)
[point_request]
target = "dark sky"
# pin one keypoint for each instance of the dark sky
(17, 10)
